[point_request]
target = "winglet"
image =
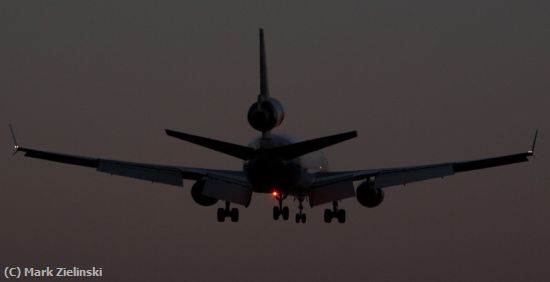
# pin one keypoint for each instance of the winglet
(532, 151)
(15, 145)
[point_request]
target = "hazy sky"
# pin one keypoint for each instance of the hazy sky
(421, 82)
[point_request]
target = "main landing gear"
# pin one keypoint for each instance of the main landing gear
(340, 214)
(279, 211)
(227, 212)
(300, 216)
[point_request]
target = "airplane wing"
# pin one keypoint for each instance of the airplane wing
(387, 177)
(167, 174)
(171, 175)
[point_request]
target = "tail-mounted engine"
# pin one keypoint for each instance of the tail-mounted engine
(266, 115)
(369, 196)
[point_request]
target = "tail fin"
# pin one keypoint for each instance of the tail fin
(264, 89)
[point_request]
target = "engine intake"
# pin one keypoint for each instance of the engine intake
(369, 196)
(198, 197)
(266, 116)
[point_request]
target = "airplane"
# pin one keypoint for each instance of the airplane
(275, 164)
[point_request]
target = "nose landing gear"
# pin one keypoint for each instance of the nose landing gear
(340, 214)
(227, 212)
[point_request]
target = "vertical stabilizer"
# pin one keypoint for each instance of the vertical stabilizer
(267, 113)
(264, 90)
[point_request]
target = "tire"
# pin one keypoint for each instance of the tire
(297, 218)
(221, 215)
(341, 216)
(276, 213)
(285, 213)
(234, 215)
(328, 216)
(303, 218)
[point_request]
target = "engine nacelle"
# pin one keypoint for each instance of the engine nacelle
(198, 197)
(266, 116)
(369, 196)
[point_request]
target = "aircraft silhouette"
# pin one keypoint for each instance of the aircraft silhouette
(276, 165)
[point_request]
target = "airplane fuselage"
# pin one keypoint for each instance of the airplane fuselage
(268, 174)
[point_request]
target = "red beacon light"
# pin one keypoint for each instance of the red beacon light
(275, 194)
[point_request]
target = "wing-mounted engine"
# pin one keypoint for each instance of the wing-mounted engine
(369, 196)
(266, 115)
(199, 197)
(208, 191)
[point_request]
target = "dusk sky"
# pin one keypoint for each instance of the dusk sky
(421, 81)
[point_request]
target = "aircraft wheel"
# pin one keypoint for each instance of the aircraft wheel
(328, 216)
(303, 218)
(221, 215)
(297, 218)
(234, 215)
(276, 213)
(285, 213)
(341, 215)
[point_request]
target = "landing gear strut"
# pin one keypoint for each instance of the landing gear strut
(340, 214)
(300, 216)
(227, 212)
(279, 211)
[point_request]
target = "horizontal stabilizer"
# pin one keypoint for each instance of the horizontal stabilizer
(238, 151)
(286, 152)
(295, 150)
